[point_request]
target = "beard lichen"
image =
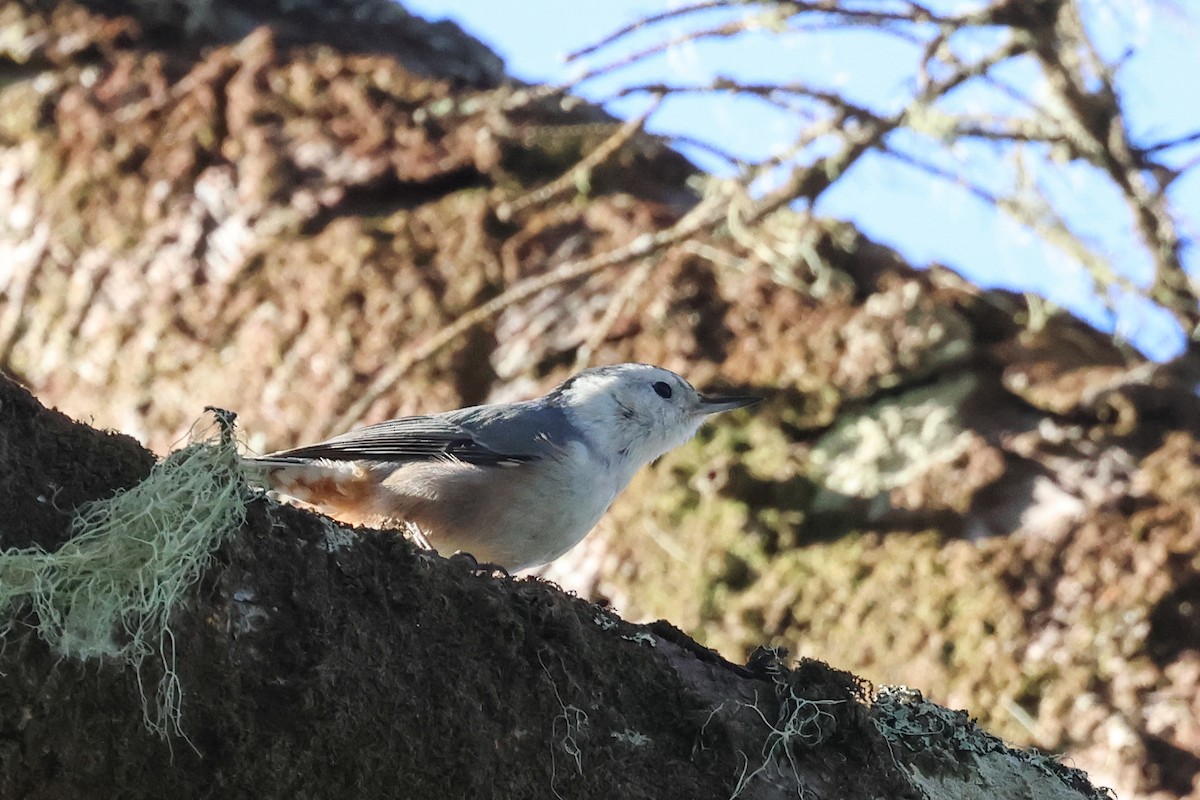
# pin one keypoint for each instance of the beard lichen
(132, 558)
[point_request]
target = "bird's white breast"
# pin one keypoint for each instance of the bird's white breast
(557, 503)
(517, 516)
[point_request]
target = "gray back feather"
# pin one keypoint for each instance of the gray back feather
(489, 435)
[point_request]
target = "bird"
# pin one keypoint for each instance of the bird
(515, 485)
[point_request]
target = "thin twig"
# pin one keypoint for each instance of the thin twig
(570, 179)
(644, 22)
(704, 215)
(620, 299)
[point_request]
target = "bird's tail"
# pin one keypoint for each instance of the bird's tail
(269, 461)
(317, 481)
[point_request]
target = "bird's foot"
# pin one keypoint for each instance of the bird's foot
(464, 558)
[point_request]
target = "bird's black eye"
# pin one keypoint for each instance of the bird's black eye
(662, 389)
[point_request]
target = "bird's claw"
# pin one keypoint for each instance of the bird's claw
(474, 566)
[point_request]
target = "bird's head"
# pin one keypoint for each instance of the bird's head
(634, 413)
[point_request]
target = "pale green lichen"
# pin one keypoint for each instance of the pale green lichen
(946, 754)
(893, 443)
(631, 737)
(110, 590)
(798, 723)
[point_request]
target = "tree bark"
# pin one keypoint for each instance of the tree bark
(313, 661)
(286, 211)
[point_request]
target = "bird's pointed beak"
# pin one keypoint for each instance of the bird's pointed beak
(713, 405)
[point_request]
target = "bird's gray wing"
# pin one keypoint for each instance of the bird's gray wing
(484, 436)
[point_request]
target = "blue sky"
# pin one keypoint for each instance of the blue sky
(926, 219)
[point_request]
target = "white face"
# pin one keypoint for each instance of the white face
(634, 412)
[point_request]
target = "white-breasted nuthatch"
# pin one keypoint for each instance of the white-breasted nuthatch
(513, 484)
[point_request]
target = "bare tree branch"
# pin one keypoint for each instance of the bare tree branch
(1074, 113)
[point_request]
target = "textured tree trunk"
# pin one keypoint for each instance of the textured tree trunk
(313, 661)
(281, 211)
